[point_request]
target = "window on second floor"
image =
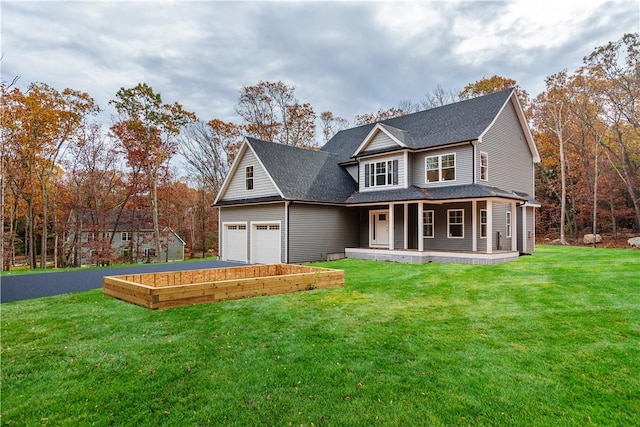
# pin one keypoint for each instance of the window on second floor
(379, 174)
(440, 168)
(249, 177)
(125, 236)
(484, 166)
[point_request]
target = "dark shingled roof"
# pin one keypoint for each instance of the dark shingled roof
(316, 176)
(466, 191)
(305, 175)
(458, 122)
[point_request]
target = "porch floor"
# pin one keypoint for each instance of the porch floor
(413, 256)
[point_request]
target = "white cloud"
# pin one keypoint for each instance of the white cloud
(348, 57)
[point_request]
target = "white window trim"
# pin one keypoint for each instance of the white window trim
(449, 236)
(247, 178)
(388, 166)
(486, 223)
(508, 223)
(440, 156)
(127, 234)
(486, 177)
(433, 224)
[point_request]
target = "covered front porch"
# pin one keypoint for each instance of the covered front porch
(476, 231)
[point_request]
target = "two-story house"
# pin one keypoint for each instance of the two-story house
(449, 184)
(129, 239)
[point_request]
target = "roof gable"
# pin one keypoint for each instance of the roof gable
(297, 173)
(513, 99)
(397, 138)
(445, 125)
(231, 182)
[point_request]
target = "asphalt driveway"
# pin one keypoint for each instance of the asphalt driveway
(27, 286)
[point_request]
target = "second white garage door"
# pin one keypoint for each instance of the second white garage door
(265, 241)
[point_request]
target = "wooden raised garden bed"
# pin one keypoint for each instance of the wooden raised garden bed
(173, 289)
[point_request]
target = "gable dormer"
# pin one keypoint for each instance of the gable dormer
(383, 138)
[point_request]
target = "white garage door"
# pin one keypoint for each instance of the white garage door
(235, 242)
(265, 241)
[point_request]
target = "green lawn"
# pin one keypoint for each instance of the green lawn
(552, 339)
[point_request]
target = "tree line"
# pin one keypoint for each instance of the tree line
(64, 173)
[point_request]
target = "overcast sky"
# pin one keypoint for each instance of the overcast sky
(346, 57)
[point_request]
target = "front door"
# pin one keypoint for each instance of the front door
(379, 228)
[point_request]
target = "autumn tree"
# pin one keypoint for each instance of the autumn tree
(96, 193)
(209, 148)
(438, 97)
(616, 69)
(552, 114)
(379, 116)
(493, 84)
(44, 122)
(147, 131)
(331, 124)
(270, 111)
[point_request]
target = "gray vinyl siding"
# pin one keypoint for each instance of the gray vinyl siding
(316, 230)
(529, 228)
(379, 142)
(510, 159)
(262, 185)
(441, 241)
(482, 242)
(175, 250)
(464, 166)
(500, 226)
(401, 171)
(271, 212)
(353, 171)
(398, 226)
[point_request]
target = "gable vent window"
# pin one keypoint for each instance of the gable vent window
(379, 174)
(249, 177)
(440, 168)
(484, 166)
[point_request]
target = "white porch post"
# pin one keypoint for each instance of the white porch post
(514, 230)
(391, 227)
(406, 225)
(524, 229)
(420, 227)
(474, 225)
(489, 226)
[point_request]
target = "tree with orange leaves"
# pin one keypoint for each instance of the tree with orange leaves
(147, 131)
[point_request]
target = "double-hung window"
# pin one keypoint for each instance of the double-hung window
(440, 168)
(455, 223)
(508, 218)
(249, 177)
(380, 174)
(427, 224)
(483, 223)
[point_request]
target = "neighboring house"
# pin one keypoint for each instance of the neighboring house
(449, 184)
(127, 242)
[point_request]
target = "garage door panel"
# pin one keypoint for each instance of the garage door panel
(235, 242)
(266, 243)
